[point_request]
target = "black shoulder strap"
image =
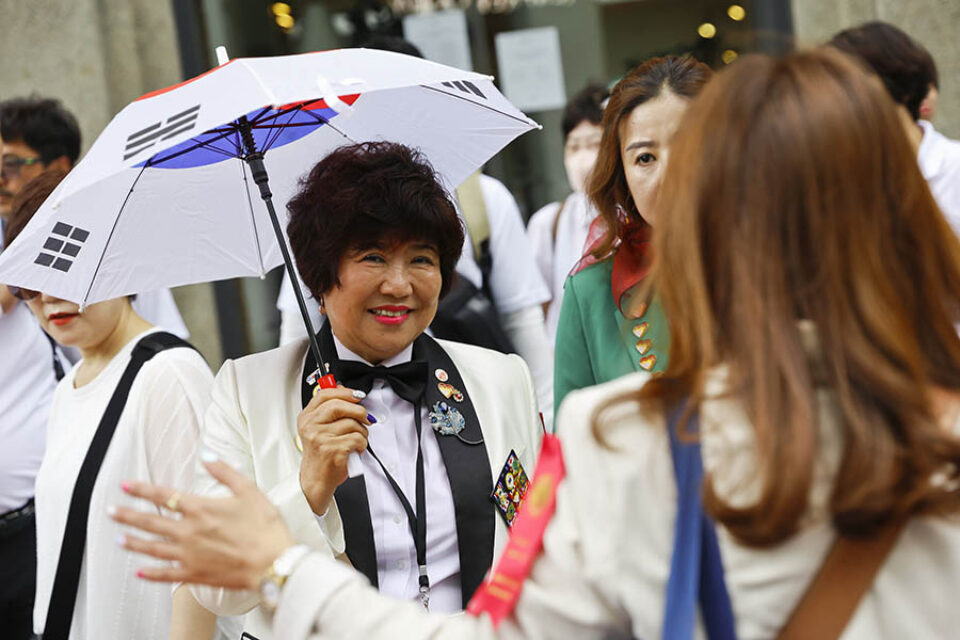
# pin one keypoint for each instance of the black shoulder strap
(67, 578)
(58, 372)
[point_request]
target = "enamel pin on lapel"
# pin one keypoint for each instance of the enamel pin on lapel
(449, 391)
(441, 375)
(511, 488)
(446, 420)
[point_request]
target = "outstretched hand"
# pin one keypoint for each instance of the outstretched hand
(222, 542)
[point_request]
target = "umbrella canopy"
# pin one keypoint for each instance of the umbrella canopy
(165, 196)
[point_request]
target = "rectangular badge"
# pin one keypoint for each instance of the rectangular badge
(510, 489)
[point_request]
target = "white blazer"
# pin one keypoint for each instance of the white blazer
(252, 425)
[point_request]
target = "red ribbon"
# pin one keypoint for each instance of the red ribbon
(498, 595)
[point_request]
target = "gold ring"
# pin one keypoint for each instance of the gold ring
(173, 502)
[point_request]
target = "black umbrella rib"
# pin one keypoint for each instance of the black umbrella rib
(116, 221)
(323, 120)
(478, 104)
(272, 139)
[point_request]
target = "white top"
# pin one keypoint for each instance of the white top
(393, 438)
(605, 562)
(556, 258)
(515, 281)
(160, 309)
(26, 392)
(155, 441)
(939, 160)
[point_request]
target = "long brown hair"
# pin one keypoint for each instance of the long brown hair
(607, 186)
(792, 194)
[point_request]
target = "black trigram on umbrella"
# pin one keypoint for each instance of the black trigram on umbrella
(466, 86)
(62, 247)
(163, 130)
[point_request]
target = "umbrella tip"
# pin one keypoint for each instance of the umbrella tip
(222, 57)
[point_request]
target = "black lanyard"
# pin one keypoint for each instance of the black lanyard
(418, 520)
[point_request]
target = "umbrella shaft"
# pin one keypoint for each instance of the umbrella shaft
(254, 159)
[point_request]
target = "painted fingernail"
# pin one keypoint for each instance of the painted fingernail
(125, 486)
(371, 419)
(121, 539)
(139, 574)
(358, 394)
(208, 456)
(111, 510)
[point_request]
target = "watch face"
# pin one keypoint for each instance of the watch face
(270, 593)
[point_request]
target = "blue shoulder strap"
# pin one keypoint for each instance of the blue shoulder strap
(696, 569)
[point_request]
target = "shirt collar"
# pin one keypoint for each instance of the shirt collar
(344, 353)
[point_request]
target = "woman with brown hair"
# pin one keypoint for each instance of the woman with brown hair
(813, 287)
(609, 326)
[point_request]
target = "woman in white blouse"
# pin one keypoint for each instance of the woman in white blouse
(155, 441)
(813, 287)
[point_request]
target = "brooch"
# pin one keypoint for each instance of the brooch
(446, 420)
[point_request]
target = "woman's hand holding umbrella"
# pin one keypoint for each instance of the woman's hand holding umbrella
(331, 427)
(222, 542)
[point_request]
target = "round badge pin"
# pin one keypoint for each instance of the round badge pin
(441, 375)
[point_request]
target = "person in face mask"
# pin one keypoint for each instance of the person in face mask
(558, 231)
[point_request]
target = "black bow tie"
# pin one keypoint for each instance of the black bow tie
(408, 380)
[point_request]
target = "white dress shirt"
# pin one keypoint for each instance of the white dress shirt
(939, 160)
(557, 256)
(155, 441)
(394, 440)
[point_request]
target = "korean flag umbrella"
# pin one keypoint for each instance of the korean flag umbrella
(188, 184)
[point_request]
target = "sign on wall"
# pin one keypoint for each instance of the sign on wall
(531, 70)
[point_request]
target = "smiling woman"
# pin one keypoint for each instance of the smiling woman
(415, 467)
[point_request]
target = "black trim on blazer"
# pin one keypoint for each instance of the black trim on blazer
(464, 456)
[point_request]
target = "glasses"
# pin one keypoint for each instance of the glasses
(11, 165)
(22, 294)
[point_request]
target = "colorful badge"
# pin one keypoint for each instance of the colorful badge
(446, 420)
(511, 488)
(441, 375)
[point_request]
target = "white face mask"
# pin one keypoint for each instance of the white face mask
(580, 153)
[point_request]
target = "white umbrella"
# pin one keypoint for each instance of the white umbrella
(168, 194)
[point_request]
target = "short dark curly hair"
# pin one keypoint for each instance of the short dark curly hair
(365, 194)
(43, 124)
(904, 65)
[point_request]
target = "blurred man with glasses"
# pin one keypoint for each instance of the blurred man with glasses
(38, 134)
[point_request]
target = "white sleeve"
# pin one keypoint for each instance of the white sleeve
(160, 309)
(174, 389)
(226, 434)
(527, 331)
(515, 279)
(540, 235)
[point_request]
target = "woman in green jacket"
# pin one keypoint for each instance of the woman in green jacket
(610, 323)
